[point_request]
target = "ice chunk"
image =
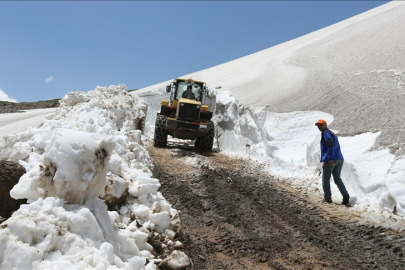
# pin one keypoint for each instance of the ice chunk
(73, 169)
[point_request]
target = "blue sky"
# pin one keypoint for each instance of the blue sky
(48, 49)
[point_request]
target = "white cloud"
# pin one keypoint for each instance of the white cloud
(48, 80)
(5, 97)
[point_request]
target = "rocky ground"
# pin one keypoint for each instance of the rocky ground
(9, 107)
(235, 216)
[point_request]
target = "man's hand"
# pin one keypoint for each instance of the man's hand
(331, 163)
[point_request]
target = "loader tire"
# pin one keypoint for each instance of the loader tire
(160, 136)
(197, 142)
(206, 142)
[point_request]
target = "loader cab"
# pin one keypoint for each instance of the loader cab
(181, 88)
(191, 90)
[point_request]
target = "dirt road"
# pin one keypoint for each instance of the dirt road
(235, 216)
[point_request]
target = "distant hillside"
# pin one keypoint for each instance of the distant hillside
(11, 107)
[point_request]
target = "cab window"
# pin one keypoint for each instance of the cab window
(182, 87)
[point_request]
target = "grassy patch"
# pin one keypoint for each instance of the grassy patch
(6, 102)
(42, 102)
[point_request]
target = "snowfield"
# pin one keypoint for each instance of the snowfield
(352, 70)
(15, 122)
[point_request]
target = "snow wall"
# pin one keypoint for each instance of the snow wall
(87, 150)
(289, 143)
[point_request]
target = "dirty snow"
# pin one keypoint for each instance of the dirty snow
(89, 148)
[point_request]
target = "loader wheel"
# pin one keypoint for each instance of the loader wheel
(206, 142)
(160, 136)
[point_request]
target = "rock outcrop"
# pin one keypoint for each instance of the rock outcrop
(115, 192)
(178, 260)
(10, 173)
(10, 107)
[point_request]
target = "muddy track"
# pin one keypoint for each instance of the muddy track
(234, 216)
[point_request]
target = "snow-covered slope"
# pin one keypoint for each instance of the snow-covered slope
(352, 75)
(15, 122)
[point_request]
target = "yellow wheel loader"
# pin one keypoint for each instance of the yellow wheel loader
(187, 115)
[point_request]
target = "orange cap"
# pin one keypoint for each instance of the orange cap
(320, 121)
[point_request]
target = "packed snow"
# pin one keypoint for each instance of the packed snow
(87, 150)
(351, 74)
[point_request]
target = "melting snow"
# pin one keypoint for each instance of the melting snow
(88, 148)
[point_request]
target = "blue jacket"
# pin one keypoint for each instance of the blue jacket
(330, 148)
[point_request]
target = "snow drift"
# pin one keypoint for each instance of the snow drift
(89, 148)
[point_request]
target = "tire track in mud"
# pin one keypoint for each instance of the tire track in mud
(234, 216)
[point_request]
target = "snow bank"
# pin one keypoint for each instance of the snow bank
(50, 234)
(289, 143)
(89, 148)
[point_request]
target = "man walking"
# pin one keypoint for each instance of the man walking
(332, 159)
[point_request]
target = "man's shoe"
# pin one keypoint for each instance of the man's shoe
(346, 199)
(326, 201)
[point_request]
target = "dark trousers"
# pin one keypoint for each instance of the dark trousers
(329, 170)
